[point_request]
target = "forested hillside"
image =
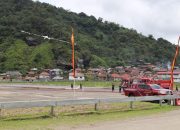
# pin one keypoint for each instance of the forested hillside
(98, 42)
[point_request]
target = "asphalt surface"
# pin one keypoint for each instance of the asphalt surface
(44, 92)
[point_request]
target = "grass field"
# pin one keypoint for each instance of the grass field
(177, 85)
(68, 83)
(76, 115)
(77, 83)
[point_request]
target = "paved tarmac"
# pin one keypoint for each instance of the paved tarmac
(44, 92)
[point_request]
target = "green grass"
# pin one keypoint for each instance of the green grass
(68, 83)
(177, 84)
(71, 119)
(77, 83)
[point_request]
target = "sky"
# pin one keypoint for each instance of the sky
(161, 18)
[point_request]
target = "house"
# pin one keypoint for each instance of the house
(3, 76)
(148, 74)
(119, 69)
(44, 75)
(167, 75)
(32, 75)
(55, 74)
(57, 78)
(134, 72)
(78, 70)
(102, 76)
(94, 70)
(115, 77)
(125, 76)
(95, 74)
(13, 75)
(78, 76)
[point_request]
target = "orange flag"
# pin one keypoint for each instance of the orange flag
(173, 64)
(73, 53)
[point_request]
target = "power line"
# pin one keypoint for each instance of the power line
(45, 37)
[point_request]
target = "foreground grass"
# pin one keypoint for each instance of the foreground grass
(70, 119)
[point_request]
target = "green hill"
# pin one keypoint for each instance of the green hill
(99, 43)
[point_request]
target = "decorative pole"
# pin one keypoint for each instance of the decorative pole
(73, 57)
(173, 64)
(73, 53)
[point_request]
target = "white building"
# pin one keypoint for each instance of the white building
(167, 75)
(55, 74)
(78, 76)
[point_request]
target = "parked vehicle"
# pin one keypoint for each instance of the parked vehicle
(142, 89)
(163, 83)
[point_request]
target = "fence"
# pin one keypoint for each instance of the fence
(95, 102)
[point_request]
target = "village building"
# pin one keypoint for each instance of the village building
(115, 77)
(78, 76)
(94, 70)
(13, 75)
(167, 75)
(32, 75)
(44, 75)
(102, 76)
(119, 69)
(3, 76)
(95, 74)
(56, 74)
(125, 76)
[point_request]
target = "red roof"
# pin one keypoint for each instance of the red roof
(115, 76)
(168, 72)
(77, 74)
(125, 77)
(44, 74)
(102, 75)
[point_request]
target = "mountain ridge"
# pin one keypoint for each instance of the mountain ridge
(99, 43)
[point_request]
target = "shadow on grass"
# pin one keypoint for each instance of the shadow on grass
(25, 118)
(101, 112)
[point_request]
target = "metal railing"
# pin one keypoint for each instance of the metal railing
(55, 103)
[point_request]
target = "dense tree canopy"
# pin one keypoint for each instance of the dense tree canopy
(98, 42)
